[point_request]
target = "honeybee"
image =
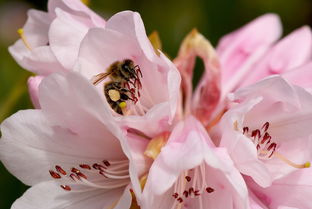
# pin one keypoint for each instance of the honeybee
(124, 85)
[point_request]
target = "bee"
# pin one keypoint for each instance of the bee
(124, 83)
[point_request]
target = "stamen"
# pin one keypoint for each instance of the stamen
(23, 37)
(266, 148)
(295, 165)
(116, 173)
(66, 187)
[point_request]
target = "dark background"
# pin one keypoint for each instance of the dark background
(172, 19)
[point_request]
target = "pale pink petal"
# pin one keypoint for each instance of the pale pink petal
(85, 112)
(65, 35)
(292, 191)
(300, 76)
(240, 49)
(33, 88)
(130, 23)
(280, 58)
(46, 145)
(76, 7)
(48, 195)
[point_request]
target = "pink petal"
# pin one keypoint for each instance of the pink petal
(292, 191)
(130, 23)
(65, 34)
(300, 76)
(280, 59)
(49, 195)
(76, 7)
(29, 135)
(33, 88)
(240, 49)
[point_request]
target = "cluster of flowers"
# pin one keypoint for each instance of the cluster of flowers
(118, 125)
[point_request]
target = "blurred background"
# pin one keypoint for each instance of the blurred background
(172, 19)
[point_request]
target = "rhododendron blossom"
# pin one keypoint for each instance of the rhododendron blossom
(118, 124)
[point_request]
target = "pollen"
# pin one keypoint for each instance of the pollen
(114, 95)
(122, 105)
(307, 165)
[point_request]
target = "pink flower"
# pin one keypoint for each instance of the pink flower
(266, 131)
(190, 172)
(252, 53)
(72, 145)
(155, 84)
(50, 40)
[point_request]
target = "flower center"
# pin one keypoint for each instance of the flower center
(104, 175)
(266, 147)
(191, 184)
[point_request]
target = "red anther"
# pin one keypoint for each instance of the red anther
(188, 178)
(191, 190)
(185, 193)
(103, 174)
(196, 193)
(245, 130)
(54, 174)
(81, 175)
(131, 190)
(106, 163)
(209, 190)
(60, 170)
(256, 133)
(258, 146)
(66, 187)
(175, 195)
(138, 71)
(180, 200)
(75, 170)
(98, 167)
(85, 166)
(74, 177)
(265, 138)
(265, 126)
(272, 146)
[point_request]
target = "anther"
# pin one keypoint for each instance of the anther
(180, 200)
(106, 163)
(60, 170)
(54, 174)
(85, 166)
(188, 178)
(185, 193)
(209, 190)
(265, 126)
(66, 187)
(175, 195)
(245, 130)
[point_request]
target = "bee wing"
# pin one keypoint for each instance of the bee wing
(99, 77)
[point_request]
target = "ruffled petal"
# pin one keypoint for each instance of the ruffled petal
(280, 59)
(242, 48)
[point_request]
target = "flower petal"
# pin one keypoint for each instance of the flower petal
(240, 49)
(65, 35)
(49, 195)
(130, 23)
(33, 88)
(75, 7)
(280, 59)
